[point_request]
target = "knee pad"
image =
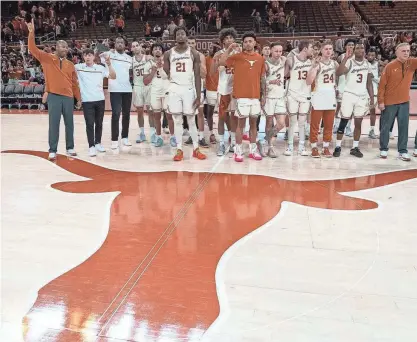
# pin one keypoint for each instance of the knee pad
(342, 126)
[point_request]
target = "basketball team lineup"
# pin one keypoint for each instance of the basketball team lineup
(308, 89)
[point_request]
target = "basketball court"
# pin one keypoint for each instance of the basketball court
(130, 246)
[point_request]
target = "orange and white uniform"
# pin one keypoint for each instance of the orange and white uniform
(324, 94)
(225, 87)
(212, 83)
(275, 93)
(355, 99)
(181, 89)
(248, 70)
(299, 93)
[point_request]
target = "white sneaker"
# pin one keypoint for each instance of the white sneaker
(404, 156)
(126, 142)
(415, 153)
(391, 136)
(303, 152)
(288, 151)
(71, 152)
(52, 156)
(383, 154)
(100, 148)
(92, 151)
(115, 145)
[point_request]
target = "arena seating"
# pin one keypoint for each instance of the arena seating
(401, 17)
(21, 96)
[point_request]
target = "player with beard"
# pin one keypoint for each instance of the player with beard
(356, 96)
(275, 105)
(141, 95)
(120, 91)
(225, 89)
(212, 83)
(298, 95)
(200, 113)
(249, 86)
(157, 79)
(182, 65)
(323, 75)
(374, 65)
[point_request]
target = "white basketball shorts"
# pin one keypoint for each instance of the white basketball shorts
(247, 107)
(275, 106)
(141, 96)
(180, 100)
(355, 105)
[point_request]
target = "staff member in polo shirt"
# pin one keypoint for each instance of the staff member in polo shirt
(120, 91)
(91, 76)
(62, 87)
(394, 99)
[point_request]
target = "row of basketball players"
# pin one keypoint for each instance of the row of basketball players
(307, 87)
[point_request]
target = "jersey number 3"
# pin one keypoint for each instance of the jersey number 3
(359, 78)
(180, 67)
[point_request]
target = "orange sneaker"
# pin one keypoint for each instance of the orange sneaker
(315, 152)
(326, 152)
(179, 155)
(197, 154)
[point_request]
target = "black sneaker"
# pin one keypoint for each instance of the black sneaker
(202, 143)
(336, 152)
(356, 152)
(189, 141)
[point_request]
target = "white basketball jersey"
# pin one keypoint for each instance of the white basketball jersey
(159, 82)
(297, 86)
(182, 67)
(356, 77)
(226, 75)
(326, 76)
(138, 71)
(374, 67)
(275, 91)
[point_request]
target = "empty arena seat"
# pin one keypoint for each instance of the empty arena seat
(28, 91)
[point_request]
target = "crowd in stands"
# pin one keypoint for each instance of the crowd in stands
(17, 64)
(275, 18)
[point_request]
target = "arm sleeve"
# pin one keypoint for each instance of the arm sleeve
(75, 86)
(105, 72)
(40, 55)
(382, 85)
(230, 62)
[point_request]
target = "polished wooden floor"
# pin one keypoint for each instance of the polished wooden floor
(130, 246)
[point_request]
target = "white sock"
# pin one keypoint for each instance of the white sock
(142, 130)
(238, 149)
(313, 145)
(221, 139)
(326, 144)
(336, 122)
(291, 129)
(355, 143)
(211, 132)
(372, 128)
(178, 130)
(200, 135)
(153, 130)
(253, 147)
(193, 131)
(338, 143)
(301, 128)
(233, 137)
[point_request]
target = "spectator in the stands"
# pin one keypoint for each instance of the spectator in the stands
(171, 28)
(112, 25)
(226, 17)
(148, 30)
(157, 31)
(339, 46)
(291, 22)
(257, 20)
(181, 21)
(165, 34)
(218, 22)
(120, 24)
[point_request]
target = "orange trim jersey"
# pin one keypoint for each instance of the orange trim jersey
(248, 71)
(212, 80)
